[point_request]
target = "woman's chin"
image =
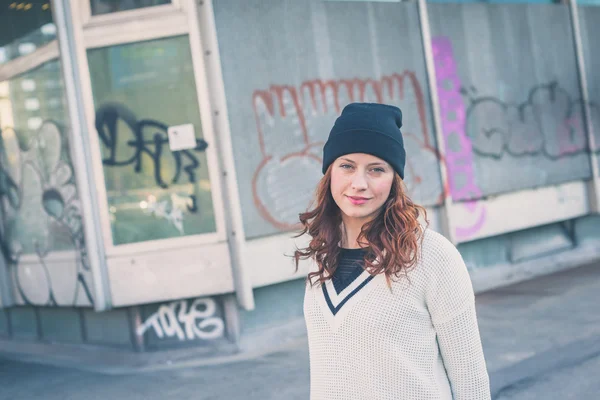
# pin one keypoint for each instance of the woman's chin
(357, 214)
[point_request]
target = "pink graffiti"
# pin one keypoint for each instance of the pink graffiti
(459, 160)
(571, 136)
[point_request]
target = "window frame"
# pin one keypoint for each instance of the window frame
(88, 19)
(131, 26)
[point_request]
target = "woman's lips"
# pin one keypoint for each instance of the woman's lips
(357, 200)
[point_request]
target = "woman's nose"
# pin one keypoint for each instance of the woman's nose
(359, 181)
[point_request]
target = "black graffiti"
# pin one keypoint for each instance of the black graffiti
(10, 195)
(147, 137)
(549, 123)
(194, 207)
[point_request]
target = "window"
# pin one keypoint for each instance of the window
(139, 91)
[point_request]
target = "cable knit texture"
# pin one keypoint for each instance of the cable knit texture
(419, 340)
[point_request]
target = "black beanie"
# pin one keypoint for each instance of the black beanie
(367, 128)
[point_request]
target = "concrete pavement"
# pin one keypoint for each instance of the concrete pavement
(537, 327)
(541, 339)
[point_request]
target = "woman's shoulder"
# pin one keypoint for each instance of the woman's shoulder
(438, 253)
(435, 242)
(437, 259)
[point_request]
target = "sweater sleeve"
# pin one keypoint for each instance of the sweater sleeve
(451, 304)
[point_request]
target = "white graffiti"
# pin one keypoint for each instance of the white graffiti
(167, 321)
(172, 213)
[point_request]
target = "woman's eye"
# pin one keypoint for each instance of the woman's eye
(380, 170)
(346, 166)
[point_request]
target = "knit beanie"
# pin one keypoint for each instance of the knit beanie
(367, 128)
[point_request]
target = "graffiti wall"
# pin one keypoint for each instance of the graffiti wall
(506, 126)
(590, 29)
(41, 230)
(509, 96)
(286, 89)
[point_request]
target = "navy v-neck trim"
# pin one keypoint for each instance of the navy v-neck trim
(334, 310)
(339, 283)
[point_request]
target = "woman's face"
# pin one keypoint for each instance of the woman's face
(360, 185)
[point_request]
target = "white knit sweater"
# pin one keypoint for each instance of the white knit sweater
(418, 341)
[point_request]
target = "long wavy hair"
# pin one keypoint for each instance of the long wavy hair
(392, 237)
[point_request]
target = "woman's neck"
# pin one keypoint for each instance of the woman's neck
(350, 231)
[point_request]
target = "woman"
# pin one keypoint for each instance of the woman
(389, 306)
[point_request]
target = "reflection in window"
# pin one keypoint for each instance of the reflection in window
(111, 6)
(139, 91)
(24, 27)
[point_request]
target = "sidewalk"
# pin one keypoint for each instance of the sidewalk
(536, 327)
(534, 332)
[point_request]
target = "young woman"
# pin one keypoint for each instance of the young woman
(389, 305)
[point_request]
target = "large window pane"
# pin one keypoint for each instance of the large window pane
(24, 27)
(111, 6)
(139, 91)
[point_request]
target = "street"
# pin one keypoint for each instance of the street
(541, 339)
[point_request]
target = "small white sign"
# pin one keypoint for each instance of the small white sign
(181, 137)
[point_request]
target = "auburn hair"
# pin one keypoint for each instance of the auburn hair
(392, 237)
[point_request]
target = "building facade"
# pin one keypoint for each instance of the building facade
(155, 154)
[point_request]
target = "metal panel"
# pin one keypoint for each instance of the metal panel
(590, 111)
(4, 325)
(6, 291)
(23, 322)
(107, 327)
(287, 80)
(520, 210)
(269, 313)
(539, 242)
(62, 325)
(589, 18)
(486, 252)
(587, 230)
(513, 70)
(170, 274)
